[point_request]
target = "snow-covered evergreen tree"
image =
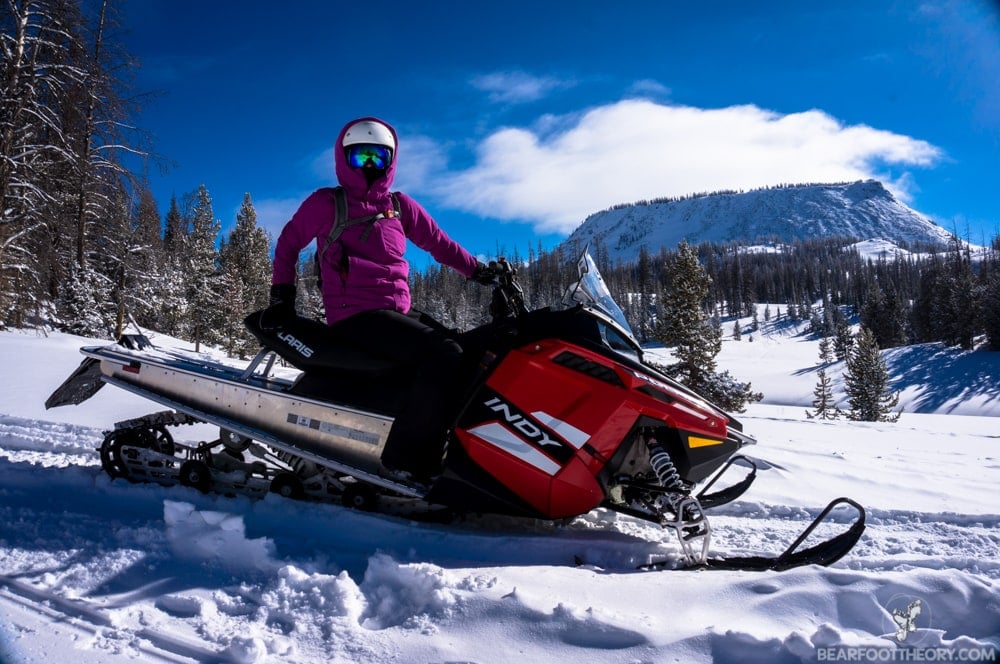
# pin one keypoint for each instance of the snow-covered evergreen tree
(232, 332)
(696, 339)
(204, 280)
(79, 305)
(146, 263)
(990, 306)
(965, 325)
(685, 325)
(175, 229)
(866, 382)
(646, 297)
(308, 298)
(946, 308)
(34, 69)
(824, 407)
(843, 340)
(884, 313)
(826, 350)
(171, 314)
(246, 274)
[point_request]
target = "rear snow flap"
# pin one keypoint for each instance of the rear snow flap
(80, 386)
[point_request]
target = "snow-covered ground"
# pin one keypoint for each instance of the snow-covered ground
(94, 570)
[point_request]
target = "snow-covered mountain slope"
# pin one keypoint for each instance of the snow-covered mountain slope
(97, 571)
(863, 210)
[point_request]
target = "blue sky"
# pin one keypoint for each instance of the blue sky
(518, 119)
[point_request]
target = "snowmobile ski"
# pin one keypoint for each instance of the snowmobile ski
(823, 553)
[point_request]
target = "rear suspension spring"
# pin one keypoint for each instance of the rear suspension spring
(301, 467)
(663, 466)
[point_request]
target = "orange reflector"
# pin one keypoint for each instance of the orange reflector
(694, 441)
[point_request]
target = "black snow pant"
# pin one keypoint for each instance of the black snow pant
(416, 440)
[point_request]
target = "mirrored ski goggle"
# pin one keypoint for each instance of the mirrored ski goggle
(360, 154)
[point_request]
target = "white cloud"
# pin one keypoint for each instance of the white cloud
(638, 149)
(323, 165)
(272, 213)
(648, 87)
(514, 87)
(420, 159)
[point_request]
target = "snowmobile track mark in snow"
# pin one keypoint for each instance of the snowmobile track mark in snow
(87, 617)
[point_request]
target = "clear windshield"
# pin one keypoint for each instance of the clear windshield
(591, 291)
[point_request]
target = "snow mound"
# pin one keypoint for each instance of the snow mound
(204, 535)
(405, 595)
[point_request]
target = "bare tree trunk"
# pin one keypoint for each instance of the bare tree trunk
(87, 138)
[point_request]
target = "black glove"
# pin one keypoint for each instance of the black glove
(283, 299)
(484, 274)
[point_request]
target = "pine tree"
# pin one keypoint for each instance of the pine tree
(204, 283)
(645, 288)
(118, 260)
(826, 350)
(233, 334)
(866, 382)
(246, 273)
(946, 307)
(63, 126)
(146, 262)
(990, 295)
(175, 229)
(990, 306)
(884, 314)
(308, 298)
(171, 314)
(965, 324)
(932, 298)
(695, 338)
(842, 337)
(79, 303)
(824, 407)
(35, 68)
(684, 324)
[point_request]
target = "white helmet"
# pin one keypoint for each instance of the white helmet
(369, 131)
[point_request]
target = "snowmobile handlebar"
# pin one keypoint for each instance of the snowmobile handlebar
(508, 297)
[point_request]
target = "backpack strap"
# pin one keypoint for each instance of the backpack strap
(341, 222)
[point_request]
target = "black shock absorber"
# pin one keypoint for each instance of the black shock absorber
(687, 518)
(301, 467)
(663, 466)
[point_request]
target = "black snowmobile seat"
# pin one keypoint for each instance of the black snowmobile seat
(310, 345)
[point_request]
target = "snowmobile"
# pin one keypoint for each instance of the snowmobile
(559, 415)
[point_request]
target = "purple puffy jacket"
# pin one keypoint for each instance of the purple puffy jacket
(371, 274)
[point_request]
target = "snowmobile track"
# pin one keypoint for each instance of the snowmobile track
(154, 645)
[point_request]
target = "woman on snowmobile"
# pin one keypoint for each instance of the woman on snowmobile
(363, 275)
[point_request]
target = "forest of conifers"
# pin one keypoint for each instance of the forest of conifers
(83, 246)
